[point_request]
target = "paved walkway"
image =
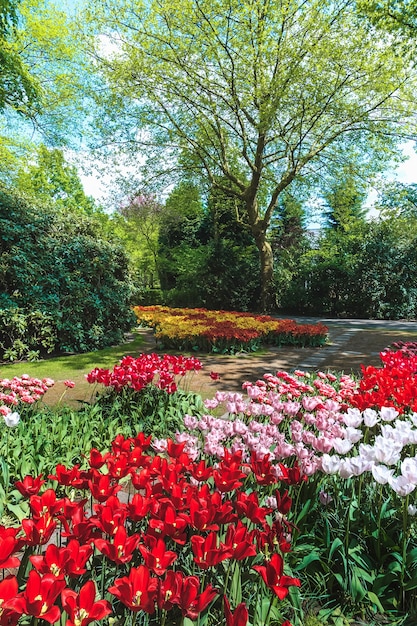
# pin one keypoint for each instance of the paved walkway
(361, 324)
(354, 341)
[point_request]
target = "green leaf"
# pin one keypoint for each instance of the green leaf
(337, 543)
(305, 561)
(235, 596)
(375, 600)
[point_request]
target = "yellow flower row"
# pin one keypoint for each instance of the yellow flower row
(210, 329)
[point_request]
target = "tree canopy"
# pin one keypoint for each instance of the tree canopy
(248, 94)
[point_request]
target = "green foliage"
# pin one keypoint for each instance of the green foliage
(387, 270)
(252, 93)
(208, 259)
(366, 271)
(392, 15)
(56, 264)
(357, 551)
(26, 335)
(19, 89)
(49, 178)
(398, 200)
(344, 201)
(151, 410)
(46, 437)
(326, 279)
(137, 225)
(289, 243)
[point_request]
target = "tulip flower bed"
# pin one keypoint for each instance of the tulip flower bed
(225, 331)
(304, 489)
(193, 542)
(355, 516)
(164, 372)
(394, 385)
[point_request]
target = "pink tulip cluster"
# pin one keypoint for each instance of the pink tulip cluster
(310, 421)
(21, 389)
(284, 416)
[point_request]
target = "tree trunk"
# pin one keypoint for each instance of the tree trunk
(267, 299)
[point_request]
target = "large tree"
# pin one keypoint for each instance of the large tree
(248, 93)
(19, 89)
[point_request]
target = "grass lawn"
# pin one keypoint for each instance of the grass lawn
(73, 367)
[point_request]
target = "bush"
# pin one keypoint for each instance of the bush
(368, 273)
(26, 335)
(56, 264)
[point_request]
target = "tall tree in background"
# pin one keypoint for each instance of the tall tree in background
(50, 178)
(141, 219)
(344, 201)
(19, 89)
(252, 92)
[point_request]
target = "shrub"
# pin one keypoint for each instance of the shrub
(56, 264)
(26, 335)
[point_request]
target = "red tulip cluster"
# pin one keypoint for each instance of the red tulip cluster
(137, 373)
(171, 544)
(394, 384)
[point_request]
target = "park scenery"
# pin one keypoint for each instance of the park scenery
(208, 305)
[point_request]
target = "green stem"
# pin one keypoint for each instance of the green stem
(269, 610)
(406, 502)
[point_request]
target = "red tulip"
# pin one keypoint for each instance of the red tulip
(38, 598)
(139, 507)
(169, 590)
(39, 531)
(121, 549)
(263, 470)
(200, 471)
(191, 602)
(8, 591)
(156, 557)
(29, 486)
(102, 486)
(240, 541)
(248, 506)
(273, 577)
(67, 561)
(240, 615)
(137, 591)
(81, 607)
(202, 517)
(206, 553)
(8, 545)
(44, 505)
(170, 524)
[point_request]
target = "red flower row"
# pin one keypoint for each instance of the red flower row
(147, 369)
(182, 514)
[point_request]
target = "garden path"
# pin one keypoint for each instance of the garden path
(351, 343)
